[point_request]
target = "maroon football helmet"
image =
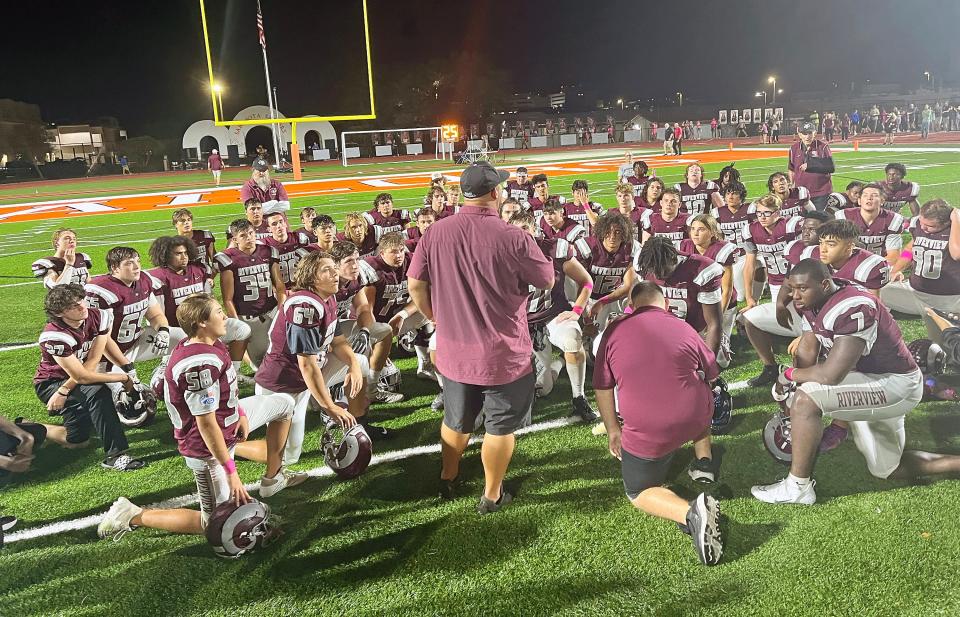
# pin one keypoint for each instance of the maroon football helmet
(349, 456)
(235, 530)
(929, 356)
(136, 408)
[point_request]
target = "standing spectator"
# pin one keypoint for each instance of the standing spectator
(855, 121)
(874, 119)
(810, 164)
(926, 121)
(890, 127)
(125, 165)
(696, 131)
(215, 164)
(741, 129)
(677, 140)
(653, 131)
(663, 405)
(775, 130)
(713, 128)
(610, 133)
(845, 127)
(952, 113)
(828, 125)
(667, 139)
(763, 133)
(483, 353)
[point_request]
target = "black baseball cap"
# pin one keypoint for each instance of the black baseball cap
(480, 178)
(807, 127)
(261, 165)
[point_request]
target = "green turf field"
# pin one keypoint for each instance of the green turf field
(569, 545)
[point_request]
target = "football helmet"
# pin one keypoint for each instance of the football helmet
(722, 407)
(235, 530)
(407, 342)
(136, 408)
(350, 455)
(390, 378)
(776, 438)
(930, 357)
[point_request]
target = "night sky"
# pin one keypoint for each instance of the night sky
(144, 62)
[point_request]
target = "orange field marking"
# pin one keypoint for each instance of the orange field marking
(70, 208)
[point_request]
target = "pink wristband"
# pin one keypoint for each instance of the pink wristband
(578, 310)
(907, 255)
(230, 466)
(789, 373)
(588, 285)
(241, 412)
(628, 310)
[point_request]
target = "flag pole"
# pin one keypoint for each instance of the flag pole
(266, 73)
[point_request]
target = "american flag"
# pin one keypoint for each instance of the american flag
(263, 37)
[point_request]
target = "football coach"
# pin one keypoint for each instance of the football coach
(470, 275)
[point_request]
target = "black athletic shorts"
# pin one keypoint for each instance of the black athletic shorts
(505, 408)
(639, 474)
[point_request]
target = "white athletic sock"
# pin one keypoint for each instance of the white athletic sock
(801, 482)
(578, 375)
(423, 356)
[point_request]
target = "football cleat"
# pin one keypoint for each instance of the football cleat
(123, 462)
(702, 470)
(832, 437)
(285, 479)
(488, 506)
(786, 491)
(235, 530)
(350, 455)
(583, 410)
(776, 438)
(437, 403)
(703, 525)
(766, 377)
(116, 521)
(722, 408)
(385, 396)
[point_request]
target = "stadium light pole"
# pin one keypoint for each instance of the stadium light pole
(764, 95)
(773, 80)
(930, 79)
(680, 94)
(620, 102)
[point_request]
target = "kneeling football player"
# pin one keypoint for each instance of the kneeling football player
(869, 378)
(308, 355)
(210, 421)
(551, 317)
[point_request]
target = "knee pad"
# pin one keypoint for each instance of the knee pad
(237, 330)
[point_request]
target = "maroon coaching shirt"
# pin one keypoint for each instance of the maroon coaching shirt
(480, 268)
(664, 401)
(818, 184)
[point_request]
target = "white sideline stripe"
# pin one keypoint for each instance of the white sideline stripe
(93, 520)
(15, 347)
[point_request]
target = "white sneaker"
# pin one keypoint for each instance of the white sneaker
(786, 491)
(284, 479)
(427, 371)
(599, 429)
(385, 396)
(116, 521)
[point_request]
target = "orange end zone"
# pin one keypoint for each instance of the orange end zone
(59, 209)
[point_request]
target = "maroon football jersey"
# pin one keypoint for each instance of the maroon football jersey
(895, 198)
(796, 203)
(367, 247)
(578, 212)
(311, 237)
(720, 251)
(306, 326)
(445, 211)
(880, 236)
(635, 215)
(769, 245)
(732, 224)
(853, 311)
(570, 231)
(863, 268)
(200, 379)
(638, 184)
(934, 270)
(383, 224)
(545, 304)
(202, 239)
(128, 304)
(58, 340)
(676, 230)
(412, 237)
(606, 269)
(695, 200)
(391, 285)
(695, 282)
(349, 289)
(253, 292)
(642, 203)
(535, 206)
(521, 192)
(175, 288)
(289, 253)
(796, 251)
(81, 268)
